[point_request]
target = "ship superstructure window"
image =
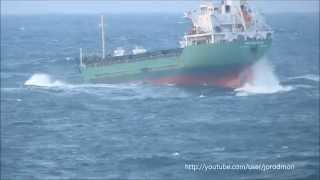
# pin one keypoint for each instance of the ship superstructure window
(243, 8)
(228, 8)
(202, 42)
(203, 10)
(217, 29)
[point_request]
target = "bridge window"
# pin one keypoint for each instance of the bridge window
(228, 8)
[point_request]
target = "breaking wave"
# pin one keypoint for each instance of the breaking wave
(311, 77)
(264, 81)
(122, 91)
(43, 80)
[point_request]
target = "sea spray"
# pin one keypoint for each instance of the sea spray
(264, 81)
(43, 80)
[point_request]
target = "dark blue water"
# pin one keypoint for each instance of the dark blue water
(53, 126)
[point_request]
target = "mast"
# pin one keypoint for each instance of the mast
(81, 59)
(102, 37)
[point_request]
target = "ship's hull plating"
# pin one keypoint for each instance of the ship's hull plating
(223, 64)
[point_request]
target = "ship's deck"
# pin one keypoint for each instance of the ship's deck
(98, 61)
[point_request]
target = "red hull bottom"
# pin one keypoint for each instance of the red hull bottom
(229, 80)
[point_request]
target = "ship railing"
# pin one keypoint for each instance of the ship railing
(230, 36)
(96, 60)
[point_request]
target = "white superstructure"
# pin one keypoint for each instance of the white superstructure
(228, 20)
(119, 52)
(138, 50)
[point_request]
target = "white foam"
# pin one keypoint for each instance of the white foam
(175, 154)
(311, 77)
(43, 80)
(218, 149)
(264, 81)
(124, 91)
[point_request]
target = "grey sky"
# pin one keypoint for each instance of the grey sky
(82, 6)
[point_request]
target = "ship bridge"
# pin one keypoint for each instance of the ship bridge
(228, 20)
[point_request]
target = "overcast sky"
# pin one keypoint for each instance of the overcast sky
(166, 6)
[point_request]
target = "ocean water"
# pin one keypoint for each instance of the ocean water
(54, 126)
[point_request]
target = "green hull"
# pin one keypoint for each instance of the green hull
(211, 59)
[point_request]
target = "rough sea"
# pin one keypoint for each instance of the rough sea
(54, 126)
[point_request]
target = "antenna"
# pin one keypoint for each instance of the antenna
(102, 37)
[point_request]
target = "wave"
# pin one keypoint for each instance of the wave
(43, 80)
(249, 89)
(264, 81)
(110, 91)
(311, 77)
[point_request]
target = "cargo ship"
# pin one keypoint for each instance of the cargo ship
(225, 40)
